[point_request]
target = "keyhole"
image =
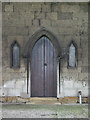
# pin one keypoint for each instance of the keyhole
(45, 64)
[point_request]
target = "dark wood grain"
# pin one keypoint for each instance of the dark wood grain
(43, 69)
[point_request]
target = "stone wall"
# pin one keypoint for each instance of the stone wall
(0, 45)
(66, 21)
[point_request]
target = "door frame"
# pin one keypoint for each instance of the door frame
(28, 51)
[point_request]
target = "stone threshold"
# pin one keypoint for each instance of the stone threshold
(39, 100)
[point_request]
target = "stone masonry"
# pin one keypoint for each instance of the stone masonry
(66, 21)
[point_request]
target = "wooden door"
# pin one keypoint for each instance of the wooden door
(43, 69)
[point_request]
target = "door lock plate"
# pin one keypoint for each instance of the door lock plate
(45, 64)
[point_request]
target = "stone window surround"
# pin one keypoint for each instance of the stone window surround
(11, 54)
(76, 55)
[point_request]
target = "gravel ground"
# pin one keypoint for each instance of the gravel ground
(29, 114)
(45, 111)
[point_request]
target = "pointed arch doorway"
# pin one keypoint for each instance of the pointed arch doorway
(43, 69)
(43, 40)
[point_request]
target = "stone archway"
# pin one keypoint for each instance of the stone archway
(43, 69)
(34, 38)
(28, 51)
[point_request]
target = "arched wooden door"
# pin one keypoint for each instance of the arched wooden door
(43, 69)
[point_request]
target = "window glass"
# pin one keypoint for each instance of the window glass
(15, 55)
(72, 56)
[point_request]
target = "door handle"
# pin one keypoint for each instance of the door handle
(45, 64)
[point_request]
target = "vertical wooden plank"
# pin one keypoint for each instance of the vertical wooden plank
(37, 73)
(44, 69)
(50, 70)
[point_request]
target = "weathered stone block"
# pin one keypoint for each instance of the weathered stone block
(19, 84)
(64, 30)
(79, 66)
(21, 7)
(65, 16)
(36, 7)
(85, 92)
(85, 59)
(14, 92)
(70, 8)
(81, 16)
(46, 7)
(9, 8)
(5, 17)
(68, 84)
(24, 30)
(78, 85)
(64, 23)
(9, 84)
(39, 15)
(45, 23)
(28, 19)
(24, 7)
(36, 22)
(4, 79)
(73, 92)
(11, 22)
(70, 76)
(55, 7)
(83, 76)
(27, 15)
(51, 16)
(13, 19)
(9, 31)
(84, 7)
(84, 69)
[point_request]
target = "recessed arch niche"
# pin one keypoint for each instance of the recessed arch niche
(72, 55)
(28, 53)
(15, 55)
(35, 37)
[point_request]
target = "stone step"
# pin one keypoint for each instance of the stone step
(41, 99)
(45, 102)
(36, 100)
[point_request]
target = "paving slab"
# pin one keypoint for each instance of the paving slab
(44, 111)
